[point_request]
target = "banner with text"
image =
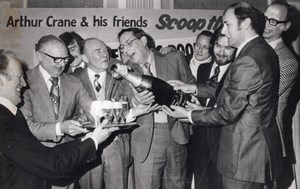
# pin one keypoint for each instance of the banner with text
(22, 28)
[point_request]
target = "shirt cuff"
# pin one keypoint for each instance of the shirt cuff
(95, 141)
(130, 117)
(57, 130)
(196, 91)
(190, 116)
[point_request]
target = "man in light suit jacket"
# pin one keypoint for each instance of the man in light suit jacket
(249, 153)
(24, 161)
(53, 124)
(279, 19)
(158, 145)
(113, 169)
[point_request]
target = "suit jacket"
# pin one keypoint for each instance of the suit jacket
(288, 66)
(168, 67)
(38, 110)
(26, 163)
(114, 88)
(247, 99)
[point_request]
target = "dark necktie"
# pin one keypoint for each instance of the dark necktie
(54, 94)
(146, 69)
(96, 83)
(214, 78)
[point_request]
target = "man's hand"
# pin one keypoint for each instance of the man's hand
(145, 97)
(101, 134)
(176, 112)
(191, 106)
(82, 117)
(165, 50)
(186, 88)
(72, 128)
(143, 109)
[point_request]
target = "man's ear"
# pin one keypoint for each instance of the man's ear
(144, 40)
(246, 23)
(85, 58)
(39, 56)
(287, 26)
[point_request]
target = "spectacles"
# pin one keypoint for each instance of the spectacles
(127, 44)
(274, 22)
(58, 59)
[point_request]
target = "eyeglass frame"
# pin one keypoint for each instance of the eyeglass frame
(274, 20)
(58, 60)
(128, 43)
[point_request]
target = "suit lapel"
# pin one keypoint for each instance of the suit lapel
(84, 76)
(65, 96)
(109, 85)
(160, 66)
(38, 85)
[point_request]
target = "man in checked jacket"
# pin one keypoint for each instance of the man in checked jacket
(278, 20)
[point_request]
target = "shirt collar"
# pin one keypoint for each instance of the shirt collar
(150, 58)
(244, 44)
(197, 63)
(274, 43)
(9, 105)
(91, 74)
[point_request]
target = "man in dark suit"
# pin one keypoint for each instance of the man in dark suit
(24, 161)
(53, 96)
(113, 169)
(279, 19)
(249, 152)
(158, 145)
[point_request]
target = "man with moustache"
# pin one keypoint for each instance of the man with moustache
(52, 96)
(279, 19)
(249, 152)
(24, 161)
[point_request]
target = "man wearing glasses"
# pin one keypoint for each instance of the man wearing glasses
(52, 96)
(159, 144)
(279, 18)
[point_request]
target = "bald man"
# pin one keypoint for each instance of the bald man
(113, 169)
(52, 97)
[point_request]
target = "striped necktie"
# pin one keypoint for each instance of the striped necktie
(214, 78)
(96, 83)
(54, 95)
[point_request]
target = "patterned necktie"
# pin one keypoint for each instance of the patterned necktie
(54, 94)
(96, 83)
(146, 69)
(214, 78)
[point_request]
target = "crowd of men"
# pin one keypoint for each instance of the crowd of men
(233, 134)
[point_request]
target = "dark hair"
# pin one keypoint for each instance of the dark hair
(4, 60)
(70, 37)
(139, 33)
(216, 35)
(47, 39)
(243, 10)
(205, 33)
